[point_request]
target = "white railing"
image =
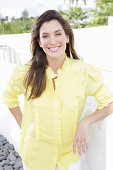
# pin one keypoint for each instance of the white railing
(9, 55)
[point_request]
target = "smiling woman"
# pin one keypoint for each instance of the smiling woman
(55, 84)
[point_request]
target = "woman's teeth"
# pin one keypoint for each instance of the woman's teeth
(53, 48)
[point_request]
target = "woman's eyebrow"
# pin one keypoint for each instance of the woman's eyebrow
(48, 33)
(57, 31)
(44, 33)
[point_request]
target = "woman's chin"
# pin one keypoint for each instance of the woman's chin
(53, 56)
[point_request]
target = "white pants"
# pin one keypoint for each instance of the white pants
(74, 166)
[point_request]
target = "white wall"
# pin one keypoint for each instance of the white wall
(94, 44)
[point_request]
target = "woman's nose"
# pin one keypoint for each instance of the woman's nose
(52, 40)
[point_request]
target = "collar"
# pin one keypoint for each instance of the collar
(61, 71)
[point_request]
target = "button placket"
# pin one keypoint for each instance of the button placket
(59, 120)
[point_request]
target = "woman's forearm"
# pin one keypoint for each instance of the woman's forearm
(99, 114)
(16, 112)
(81, 135)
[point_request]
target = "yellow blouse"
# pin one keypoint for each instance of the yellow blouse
(49, 122)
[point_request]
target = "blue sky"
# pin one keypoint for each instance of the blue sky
(26, 3)
(14, 8)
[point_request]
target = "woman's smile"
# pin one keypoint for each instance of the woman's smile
(54, 49)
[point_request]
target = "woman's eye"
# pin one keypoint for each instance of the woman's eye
(58, 34)
(45, 36)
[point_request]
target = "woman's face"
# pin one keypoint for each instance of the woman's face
(53, 39)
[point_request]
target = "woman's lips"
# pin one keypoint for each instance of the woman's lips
(53, 49)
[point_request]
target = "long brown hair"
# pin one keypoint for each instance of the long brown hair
(36, 76)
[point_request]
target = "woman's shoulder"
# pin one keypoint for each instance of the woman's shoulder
(22, 68)
(88, 68)
(20, 71)
(78, 64)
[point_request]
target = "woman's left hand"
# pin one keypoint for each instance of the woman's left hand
(81, 137)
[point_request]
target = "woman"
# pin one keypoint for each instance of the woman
(55, 84)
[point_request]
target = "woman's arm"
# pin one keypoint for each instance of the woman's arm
(12, 90)
(95, 87)
(99, 114)
(81, 136)
(16, 112)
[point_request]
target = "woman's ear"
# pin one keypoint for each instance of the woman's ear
(67, 41)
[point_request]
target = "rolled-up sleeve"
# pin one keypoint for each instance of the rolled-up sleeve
(14, 87)
(97, 88)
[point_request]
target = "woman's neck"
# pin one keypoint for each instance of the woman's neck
(56, 64)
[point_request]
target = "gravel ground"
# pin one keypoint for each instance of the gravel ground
(9, 158)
